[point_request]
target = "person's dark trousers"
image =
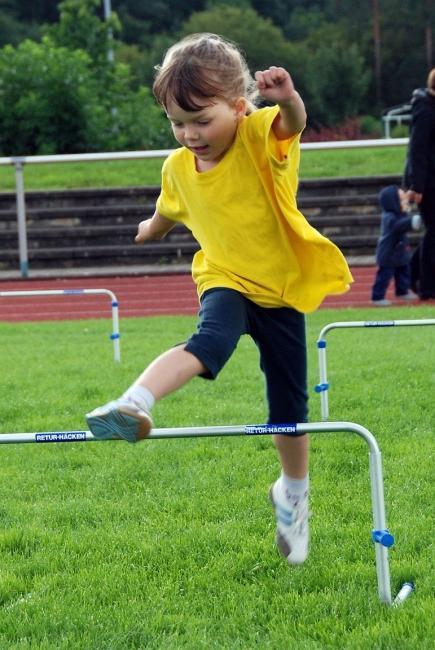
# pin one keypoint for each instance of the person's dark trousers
(401, 275)
(427, 246)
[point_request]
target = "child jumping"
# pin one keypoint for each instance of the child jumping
(392, 254)
(261, 266)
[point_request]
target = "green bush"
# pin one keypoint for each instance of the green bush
(335, 76)
(400, 131)
(370, 126)
(140, 123)
(52, 101)
(47, 99)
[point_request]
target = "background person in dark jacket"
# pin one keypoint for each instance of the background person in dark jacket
(392, 250)
(420, 178)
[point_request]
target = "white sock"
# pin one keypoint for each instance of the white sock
(294, 488)
(141, 397)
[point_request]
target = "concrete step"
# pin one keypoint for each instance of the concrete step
(105, 214)
(91, 237)
(82, 197)
(165, 252)
(75, 216)
(124, 233)
(109, 255)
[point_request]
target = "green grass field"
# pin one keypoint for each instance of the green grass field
(314, 164)
(169, 544)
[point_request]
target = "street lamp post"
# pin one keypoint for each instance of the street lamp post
(107, 14)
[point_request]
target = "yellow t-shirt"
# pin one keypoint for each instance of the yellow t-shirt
(243, 214)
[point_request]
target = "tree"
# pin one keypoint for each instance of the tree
(52, 101)
(376, 26)
(80, 27)
(261, 41)
(40, 12)
(47, 100)
(142, 21)
(329, 73)
(336, 82)
(429, 26)
(12, 29)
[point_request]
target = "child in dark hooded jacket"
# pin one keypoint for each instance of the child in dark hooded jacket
(392, 250)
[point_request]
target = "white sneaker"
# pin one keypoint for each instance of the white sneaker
(292, 530)
(119, 419)
(383, 302)
(410, 295)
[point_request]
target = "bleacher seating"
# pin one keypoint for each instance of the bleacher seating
(96, 227)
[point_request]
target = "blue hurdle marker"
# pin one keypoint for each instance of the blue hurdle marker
(323, 386)
(380, 534)
(79, 292)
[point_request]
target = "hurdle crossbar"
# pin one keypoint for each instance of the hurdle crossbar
(79, 292)
(380, 534)
(323, 386)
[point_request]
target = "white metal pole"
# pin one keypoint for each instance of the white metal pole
(379, 522)
(107, 15)
(323, 386)
(78, 292)
(21, 219)
(115, 327)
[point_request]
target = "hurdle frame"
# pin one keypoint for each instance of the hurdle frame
(380, 534)
(79, 292)
(323, 386)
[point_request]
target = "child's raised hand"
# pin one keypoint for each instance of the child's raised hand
(275, 84)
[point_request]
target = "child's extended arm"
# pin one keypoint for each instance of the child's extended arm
(155, 228)
(406, 223)
(276, 85)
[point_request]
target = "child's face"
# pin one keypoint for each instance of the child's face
(209, 132)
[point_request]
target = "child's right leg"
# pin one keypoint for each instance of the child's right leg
(129, 416)
(380, 285)
(170, 371)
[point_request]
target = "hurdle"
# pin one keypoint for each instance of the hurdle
(323, 386)
(79, 292)
(380, 534)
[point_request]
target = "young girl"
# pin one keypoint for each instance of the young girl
(233, 183)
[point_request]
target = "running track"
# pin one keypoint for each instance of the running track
(148, 295)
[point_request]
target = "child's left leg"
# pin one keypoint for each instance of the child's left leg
(289, 496)
(280, 337)
(402, 280)
(293, 452)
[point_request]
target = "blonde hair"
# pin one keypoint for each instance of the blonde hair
(431, 80)
(203, 66)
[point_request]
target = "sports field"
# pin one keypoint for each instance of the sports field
(170, 544)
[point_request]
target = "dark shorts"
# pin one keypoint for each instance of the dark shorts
(279, 334)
